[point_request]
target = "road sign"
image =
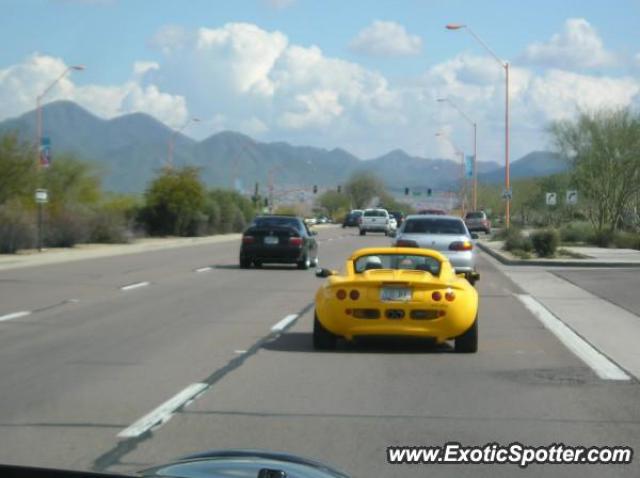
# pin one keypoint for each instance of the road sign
(572, 197)
(468, 166)
(552, 199)
(507, 194)
(42, 196)
(45, 152)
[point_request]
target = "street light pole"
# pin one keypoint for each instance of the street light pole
(505, 66)
(172, 136)
(39, 162)
(475, 148)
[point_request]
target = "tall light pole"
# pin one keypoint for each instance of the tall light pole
(39, 107)
(459, 152)
(505, 65)
(39, 149)
(475, 149)
(172, 138)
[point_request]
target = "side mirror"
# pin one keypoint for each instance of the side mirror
(474, 235)
(324, 273)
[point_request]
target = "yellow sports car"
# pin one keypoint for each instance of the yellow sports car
(396, 291)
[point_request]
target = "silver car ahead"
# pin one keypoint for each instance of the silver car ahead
(445, 234)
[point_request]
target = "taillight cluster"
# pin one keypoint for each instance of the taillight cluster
(354, 294)
(295, 241)
(460, 246)
(449, 295)
(248, 239)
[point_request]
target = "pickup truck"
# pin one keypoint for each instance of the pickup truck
(374, 220)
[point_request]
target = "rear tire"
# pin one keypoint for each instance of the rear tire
(305, 263)
(257, 264)
(245, 263)
(363, 232)
(467, 343)
(322, 338)
(315, 262)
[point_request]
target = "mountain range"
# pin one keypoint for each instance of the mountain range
(130, 149)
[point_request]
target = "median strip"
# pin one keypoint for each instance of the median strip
(15, 315)
(135, 286)
(164, 412)
(284, 323)
(598, 362)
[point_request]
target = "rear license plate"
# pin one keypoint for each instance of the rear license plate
(271, 240)
(395, 293)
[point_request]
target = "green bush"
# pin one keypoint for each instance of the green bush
(545, 242)
(17, 228)
(626, 240)
(602, 238)
(515, 240)
(108, 227)
(577, 232)
(66, 228)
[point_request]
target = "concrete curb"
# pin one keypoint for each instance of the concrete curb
(552, 262)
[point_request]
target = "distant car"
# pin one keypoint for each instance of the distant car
(477, 221)
(323, 220)
(398, 215)
(351, 219)
(436, 212)
(374, 220)
(278, 240)
(311, 221)
(396, 292)
(445, 234)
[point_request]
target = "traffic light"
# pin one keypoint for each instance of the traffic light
(339, 189)
(406, 191)
(429, 192)
(266, 202)
(315, 189)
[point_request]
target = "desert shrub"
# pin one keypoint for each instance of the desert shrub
(515, 240)
(66, 227)
(17, 228)
(545, 242)
(577, 232)
(626, 240)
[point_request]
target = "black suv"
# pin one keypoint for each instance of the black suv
(278, 239)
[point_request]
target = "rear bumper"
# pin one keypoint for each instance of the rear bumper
(375, 228)
(462, 261)
(274, 254)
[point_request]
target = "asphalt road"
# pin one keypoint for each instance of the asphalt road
(91, 359)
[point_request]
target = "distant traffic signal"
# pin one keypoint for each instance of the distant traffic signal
(315, 189)
(429, 192)
(406, 191)
(339, 189)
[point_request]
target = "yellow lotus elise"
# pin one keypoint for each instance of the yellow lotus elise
(395, 292)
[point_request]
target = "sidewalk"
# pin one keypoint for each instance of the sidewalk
(57, 255)
(610, 329)
(595, 256)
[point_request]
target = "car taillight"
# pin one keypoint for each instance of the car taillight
(248, 239)
(406, 243)
(295, 241)
(450, 295)
(437, 296)
(341, 294)
(460, 246)
(354, 295)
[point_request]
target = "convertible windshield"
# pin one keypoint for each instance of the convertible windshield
(397, 261)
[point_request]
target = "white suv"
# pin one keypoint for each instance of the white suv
(374, 220)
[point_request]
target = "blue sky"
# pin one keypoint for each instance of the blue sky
(384, 99)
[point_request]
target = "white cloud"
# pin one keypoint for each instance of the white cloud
(244, 78)
(21, 84)
(386, 39)
(577, 46)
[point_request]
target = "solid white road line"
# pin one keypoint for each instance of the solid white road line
(599, 363)
(134, 286)
(14, 315)
(204, 269)
(284, 323)
(163, 413)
